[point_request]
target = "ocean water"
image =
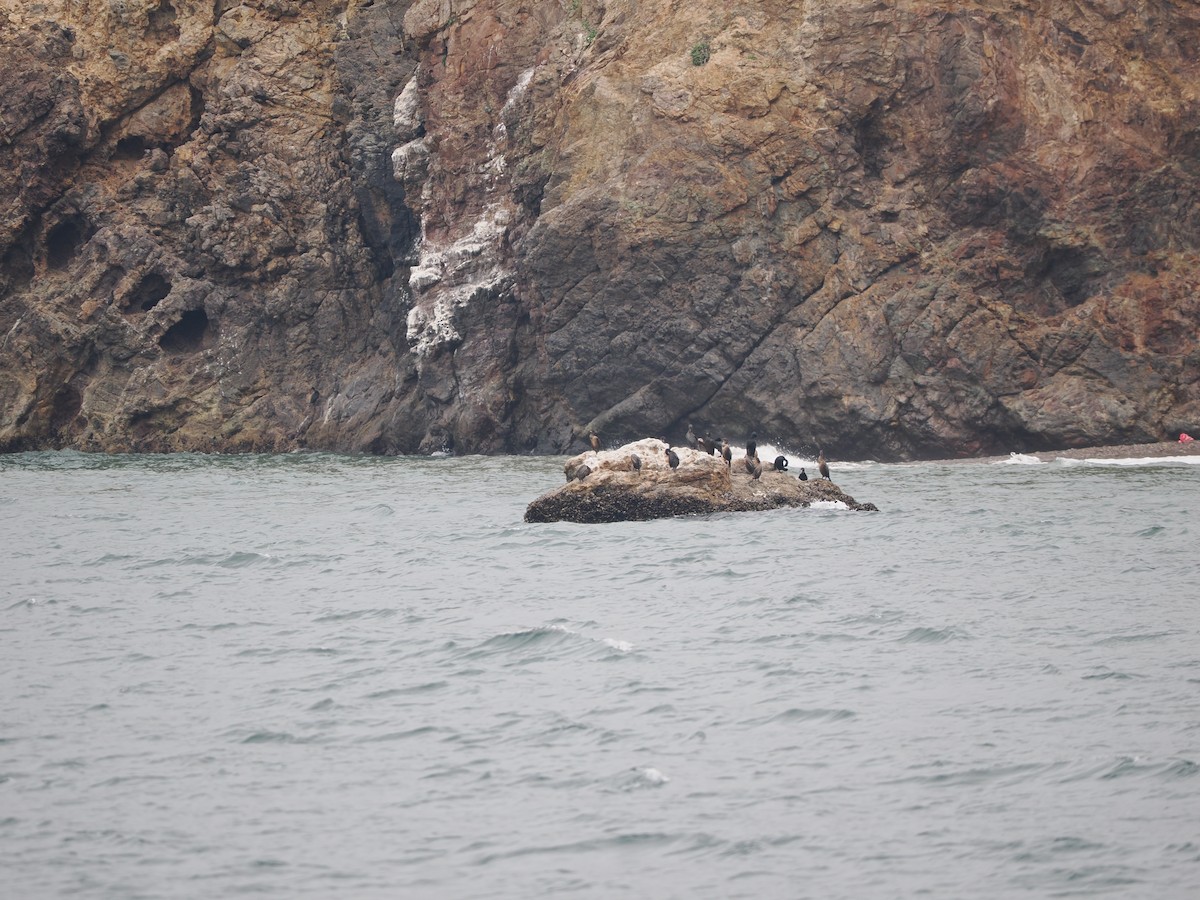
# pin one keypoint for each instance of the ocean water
(322, 676)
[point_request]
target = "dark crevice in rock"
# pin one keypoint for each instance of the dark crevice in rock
(188, 334)
(151, 290)
(131, 147)
(65, 407)
(197, 109)
(63, 241)
(870, 140)
(1066, 276)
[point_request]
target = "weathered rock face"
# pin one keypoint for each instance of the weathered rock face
(892, 230)
(635, 483)
(199, 226)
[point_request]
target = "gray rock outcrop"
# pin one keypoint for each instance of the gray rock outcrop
(615, 491)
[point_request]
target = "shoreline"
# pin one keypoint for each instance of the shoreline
(1112, 451)
(1105, 451)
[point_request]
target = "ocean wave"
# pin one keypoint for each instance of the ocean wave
(636, 779)
(1014, 773)
(617, 843)
(811, 715)
(1109, 673)
(349, 615)
(274, 737)
(425, 688)
(420, 731)
(1133, 767)
(1135, 638)
(549, 638)
(1130, 461)
(934, 635)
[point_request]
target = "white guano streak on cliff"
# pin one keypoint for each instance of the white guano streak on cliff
(449, 275)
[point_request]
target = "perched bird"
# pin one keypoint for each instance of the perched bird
(726, 453)
(582, 471)
(691, 436)
(823, 466)
(636, 462)
(595, 439)
(672, 458)
(803, 475)
(780, 464)
(755, 468)
(752, 446)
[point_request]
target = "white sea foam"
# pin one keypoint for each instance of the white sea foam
(1019, 459)
(1132, 461)
(768, 452)
(828, 504)
(651, 775)
(620, 646)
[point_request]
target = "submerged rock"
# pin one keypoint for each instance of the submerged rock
(619, 490)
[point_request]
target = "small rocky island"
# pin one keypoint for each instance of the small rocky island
(636, 482)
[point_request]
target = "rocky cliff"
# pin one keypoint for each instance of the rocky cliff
(891, 229)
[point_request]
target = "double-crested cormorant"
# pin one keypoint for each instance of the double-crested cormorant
(803, 476)
(823, 466)
(691, 436)
(752, 446)
(755, 468)
(595, 439)
(726, 453)
(672, 458)
(780, 464)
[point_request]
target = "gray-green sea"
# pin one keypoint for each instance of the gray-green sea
(319, 676)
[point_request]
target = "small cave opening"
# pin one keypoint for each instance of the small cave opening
(150, 291)
(130, 147)
(62, 243)
(188, 334)
(1072, 271)
(871, 141)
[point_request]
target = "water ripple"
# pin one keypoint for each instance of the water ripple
(208, 660)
